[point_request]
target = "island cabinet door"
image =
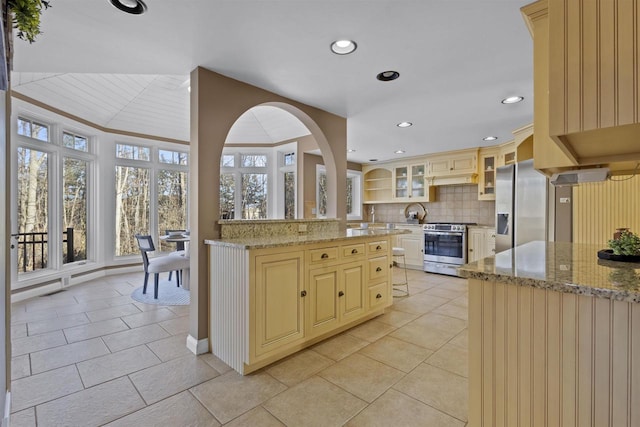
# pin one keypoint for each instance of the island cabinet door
(352, 293)
(279, 301)
(322, 301)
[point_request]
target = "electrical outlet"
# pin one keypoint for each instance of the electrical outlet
(565, 200)
(564, 267)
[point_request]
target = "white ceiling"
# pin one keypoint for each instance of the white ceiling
(457, 59)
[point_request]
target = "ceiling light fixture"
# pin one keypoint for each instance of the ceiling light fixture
(489, 138)
(404, 124)
(387, 76)
(512, 99)
(134, 7)
(399, 151)
(343, 47)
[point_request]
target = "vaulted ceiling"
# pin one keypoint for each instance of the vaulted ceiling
(457, 59)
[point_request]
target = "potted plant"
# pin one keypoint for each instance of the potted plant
(625, 248)
(26, 17)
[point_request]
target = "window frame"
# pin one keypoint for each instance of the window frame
(357, 195)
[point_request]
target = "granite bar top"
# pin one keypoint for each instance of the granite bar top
(563, 267)
(304, 239)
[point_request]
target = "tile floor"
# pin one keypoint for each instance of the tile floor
(92, 356)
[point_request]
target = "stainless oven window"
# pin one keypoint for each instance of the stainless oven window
(444, 244)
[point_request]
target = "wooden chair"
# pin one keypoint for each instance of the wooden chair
(157, 265)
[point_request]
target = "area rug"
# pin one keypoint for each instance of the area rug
(168, 294)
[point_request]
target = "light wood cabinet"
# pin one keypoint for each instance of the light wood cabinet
(593, 78)
(487, 174)
(547, 155)
(413, 245)
(409, 184)
(508, 154)
(454, 164)
(268, 303)
(481, 243)
(377, 185)
(279, 303)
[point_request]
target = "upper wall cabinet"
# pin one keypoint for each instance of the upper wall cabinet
(377, 185)
(487, 173)
(410, 184)
(586, 91)
(460, 163)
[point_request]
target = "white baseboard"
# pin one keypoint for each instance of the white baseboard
(198, 346)
(7, 409)
(36, 292)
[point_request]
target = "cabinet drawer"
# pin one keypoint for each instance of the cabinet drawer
(324, 254)
(378, 268)
(378, 247)
(378, 296)
(353, 251)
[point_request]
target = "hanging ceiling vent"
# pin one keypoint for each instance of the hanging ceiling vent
(576, 177)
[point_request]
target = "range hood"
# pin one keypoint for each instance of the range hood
(579, 176)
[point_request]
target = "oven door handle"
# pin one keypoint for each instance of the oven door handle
(444, 233)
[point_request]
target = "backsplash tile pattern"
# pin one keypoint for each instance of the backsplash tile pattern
(454, 203)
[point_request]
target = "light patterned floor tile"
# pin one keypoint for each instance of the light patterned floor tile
(396, 353)
(42, 326)
(314, 403)
(50, 385)
(340, 346)
(423, 336)
(440, 389)
(26, 418)
(93, 330)
(180, 410)
(114, 365)
(20, 367)
(112, 312)
(232, 394)
(397, 318)
(451, 358)
(148, 317)
(299, 367)
(69, 354)
(94, 406)
(18, 330)
(26, 345)
(168, 378)
(363, 377)
(217, 364)
(371, 330)
(133, 337)
(395, 408)
(254, 418)
(179, 325)
(170, 348)
(453, 311)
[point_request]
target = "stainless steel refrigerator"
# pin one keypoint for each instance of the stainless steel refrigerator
(521, 205)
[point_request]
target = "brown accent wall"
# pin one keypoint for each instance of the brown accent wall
(216, 103)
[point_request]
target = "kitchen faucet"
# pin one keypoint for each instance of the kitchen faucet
(373, 214)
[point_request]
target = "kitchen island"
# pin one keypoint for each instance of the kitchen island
(271, 296)
(554, 338)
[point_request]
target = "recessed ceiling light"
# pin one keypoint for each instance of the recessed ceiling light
(399, 151)
(135, 7)
(489, 138)
(343, 47)
(404, 124)
(387, 76)
(351, 150)
(512, 99)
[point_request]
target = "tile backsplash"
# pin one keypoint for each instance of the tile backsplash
(454, 203)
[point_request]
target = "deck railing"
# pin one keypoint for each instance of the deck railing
(33, 249)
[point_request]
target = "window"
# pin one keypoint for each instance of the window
(172, 203)
(354, 193)
(33, 129)
(244, 189)
(290, 159)
(289, 195)
(132, 207)
(74, 209)
(173, 157)
(75, 142)
(133, 152)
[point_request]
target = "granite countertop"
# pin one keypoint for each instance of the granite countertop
(304, 239)
(563, 267)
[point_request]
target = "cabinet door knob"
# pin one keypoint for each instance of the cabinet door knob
(470, 249)
(324, 256)
(379, 269)
(378, 247)
(378, 296)
(340, 294)
(303, 293)
(354, 251)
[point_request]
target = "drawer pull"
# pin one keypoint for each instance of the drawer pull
(325, 256)
(378, 296)
(354, 251)
(340, 294)
(303, 293)
(378, 247)
(379, 269)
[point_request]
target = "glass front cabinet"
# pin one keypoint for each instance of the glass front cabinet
(487, 176)
(410, 183)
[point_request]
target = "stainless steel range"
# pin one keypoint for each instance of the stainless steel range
(445, 247)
